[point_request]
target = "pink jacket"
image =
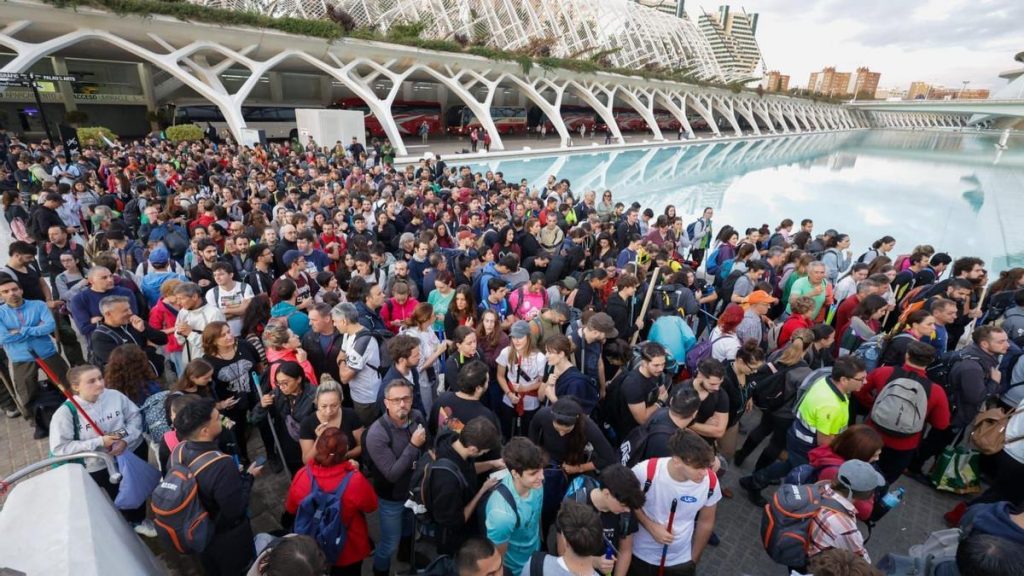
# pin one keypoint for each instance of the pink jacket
(288, 355)
(394, 314)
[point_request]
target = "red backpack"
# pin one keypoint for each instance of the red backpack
(181, 519)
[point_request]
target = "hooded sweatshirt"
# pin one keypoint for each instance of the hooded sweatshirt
(112, 412)
(298, 322)
(197, 320)
(993, 519)
(827, 463)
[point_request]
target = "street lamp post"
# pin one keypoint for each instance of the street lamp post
(962, 88)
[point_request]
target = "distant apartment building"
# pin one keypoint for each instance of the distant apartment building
(918, 91)
(890, 93)
(865, 83)
(731, 35)
(775, 81)
(828, 82)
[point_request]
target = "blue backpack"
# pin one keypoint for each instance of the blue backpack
(711, 267)
(319, 516)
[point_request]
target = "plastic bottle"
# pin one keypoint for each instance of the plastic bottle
(893, 498)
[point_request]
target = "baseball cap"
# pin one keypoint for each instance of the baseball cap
(290, 257)
(760, 297)
(603, 323)
(159, 256)
(569, 283)
(521, 329)
(859, 476)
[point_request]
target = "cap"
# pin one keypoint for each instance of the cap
(859, 476)
(521, 329)
(159, 256)
(290, 257)
(569, 283)
(603, 323)
(53, 197)
(760, 297)
(563, 310)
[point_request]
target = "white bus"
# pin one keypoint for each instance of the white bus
(277, 121)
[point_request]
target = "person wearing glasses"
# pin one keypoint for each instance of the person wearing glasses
(822, 412)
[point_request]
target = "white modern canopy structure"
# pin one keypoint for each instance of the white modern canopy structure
(196, 56)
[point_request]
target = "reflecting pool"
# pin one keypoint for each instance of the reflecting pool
(956, 191)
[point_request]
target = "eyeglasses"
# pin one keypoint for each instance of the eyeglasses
(402, 400)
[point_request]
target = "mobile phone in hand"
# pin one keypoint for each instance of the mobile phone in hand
(259, 462)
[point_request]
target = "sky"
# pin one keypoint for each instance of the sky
(936, 41)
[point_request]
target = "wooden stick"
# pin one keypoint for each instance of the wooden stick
(647, 301)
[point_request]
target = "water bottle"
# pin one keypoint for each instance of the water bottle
(893, 498)
(608, 553)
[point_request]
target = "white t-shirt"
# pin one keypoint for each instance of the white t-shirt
(365, 383)
(693, 497)
(220, 298)
(1015, 429)
(530, 369)
(726, 346)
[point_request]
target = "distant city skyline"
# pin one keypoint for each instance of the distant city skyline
(941, 42)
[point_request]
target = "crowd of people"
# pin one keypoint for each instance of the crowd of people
(535, 380)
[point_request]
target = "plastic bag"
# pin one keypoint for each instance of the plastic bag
(138, 480)
(956, 471)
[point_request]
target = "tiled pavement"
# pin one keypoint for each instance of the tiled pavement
(737, 525)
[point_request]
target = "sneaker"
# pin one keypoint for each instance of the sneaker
(12, 413)
(753, 492)
(145, 528)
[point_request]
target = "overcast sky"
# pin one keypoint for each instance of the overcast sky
(937, 41)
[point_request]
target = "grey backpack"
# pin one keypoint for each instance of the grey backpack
(902, 406)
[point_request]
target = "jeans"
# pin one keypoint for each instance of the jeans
(797, 449)
(396, 522)
(638, 567)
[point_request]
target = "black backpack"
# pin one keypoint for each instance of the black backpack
(633, 449)
(381, 337)
(503, 492)
(941, 369)
(419, 486)
(727, 286)
(768, 388)
(181, 519)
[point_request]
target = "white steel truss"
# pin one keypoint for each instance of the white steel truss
(196, 55)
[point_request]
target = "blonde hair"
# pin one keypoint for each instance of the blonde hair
(798, 344)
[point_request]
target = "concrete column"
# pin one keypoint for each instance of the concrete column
(276, 87)
(67, 94)
(407, 91)
(324, 91)
(146, 81)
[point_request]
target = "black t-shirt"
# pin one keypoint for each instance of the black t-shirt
(234, 377)
(731, 388)
(636, 389)
(615, 526)
(28, 280)
(543, 434)
(349, 424)
(451, 412)
(657, 443)
(714, 402)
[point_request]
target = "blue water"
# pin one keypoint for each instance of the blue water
(954, 191)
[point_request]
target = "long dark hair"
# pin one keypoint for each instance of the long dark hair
(562, 411)
(256, 315)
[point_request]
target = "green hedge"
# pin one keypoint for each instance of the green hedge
(93, 133)
(184, 133)
(406, 34)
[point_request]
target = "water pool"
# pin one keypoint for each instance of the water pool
(956, 191)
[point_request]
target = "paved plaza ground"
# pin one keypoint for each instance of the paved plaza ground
(739, 553)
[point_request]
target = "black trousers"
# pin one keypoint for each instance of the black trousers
(892, 463)
(933, 444)
(638, 567)
(1006, 482)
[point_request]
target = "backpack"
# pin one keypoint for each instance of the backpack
(728, 284)
(865, 255)
(940, 370)
(319, 516)
(381, 337)
(506, 493)
(180, 518)
(175, 242)
(870, 351)
(802, 474)
(701, 351)
(691, 230)
(419, 484)
(768, 391)
(1007, 364)
(788, 520)
(609, 415)
(902, 406)
(519, 291)
(633, 449)
(988, 432)
(711, 267)
(20, 231)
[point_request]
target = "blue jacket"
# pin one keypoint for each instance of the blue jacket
(574, 383)
(86, 305)
(994, 520)
(152, 282)
(34, 324)
(298, 322)
(486, 274)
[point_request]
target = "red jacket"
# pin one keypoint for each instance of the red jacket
(938, 406)
(358, 500)
(844, 313)
(827, 463)
(161, 318)
(792, 324)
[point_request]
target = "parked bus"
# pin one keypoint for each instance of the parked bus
(573, 116)
(409, 115)
(278, 121)
(507, 119)
(629, 120)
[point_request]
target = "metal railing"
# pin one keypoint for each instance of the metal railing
(108, 460)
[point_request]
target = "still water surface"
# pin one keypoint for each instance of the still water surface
(956, 191)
